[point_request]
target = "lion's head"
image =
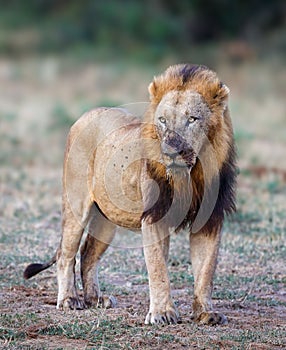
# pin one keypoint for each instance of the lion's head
(188, 106)
(181, 120)
(189, 119)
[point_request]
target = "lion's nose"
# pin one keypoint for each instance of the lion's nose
(169, 151)
(172, 144)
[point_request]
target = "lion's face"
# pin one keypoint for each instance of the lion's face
(181, 121)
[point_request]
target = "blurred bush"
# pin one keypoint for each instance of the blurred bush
(130, 25)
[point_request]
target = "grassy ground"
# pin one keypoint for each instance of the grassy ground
(40, 100)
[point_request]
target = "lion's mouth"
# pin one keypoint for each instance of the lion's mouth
(181, 164)
(177, 165)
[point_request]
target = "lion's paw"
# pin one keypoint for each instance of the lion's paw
(71, 303)
(107, 302)
(211, 318)
(170, 316)
(102, 302)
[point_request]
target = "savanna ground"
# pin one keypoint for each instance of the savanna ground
(40, 98)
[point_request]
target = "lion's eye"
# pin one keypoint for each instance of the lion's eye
(162, 120)
(192, 119)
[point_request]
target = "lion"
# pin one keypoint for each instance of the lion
(172, 170)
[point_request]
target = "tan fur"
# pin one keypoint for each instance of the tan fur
(115, 173)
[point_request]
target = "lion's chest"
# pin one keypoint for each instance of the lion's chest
(116, 176)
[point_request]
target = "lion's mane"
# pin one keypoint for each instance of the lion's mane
(204, 81)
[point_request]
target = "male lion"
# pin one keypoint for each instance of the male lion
(174, 170)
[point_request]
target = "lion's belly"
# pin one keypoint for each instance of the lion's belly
(116, 176)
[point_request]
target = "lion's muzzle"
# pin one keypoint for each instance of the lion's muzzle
(176, 151)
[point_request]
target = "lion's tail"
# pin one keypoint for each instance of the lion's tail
(32, 269)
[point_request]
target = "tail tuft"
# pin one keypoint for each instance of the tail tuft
(32, 269)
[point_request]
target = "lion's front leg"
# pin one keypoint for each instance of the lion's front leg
(204, 251)
(156, 246)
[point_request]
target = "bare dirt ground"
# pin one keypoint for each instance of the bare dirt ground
(40, 100)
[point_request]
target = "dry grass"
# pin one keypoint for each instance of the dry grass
(40, 101)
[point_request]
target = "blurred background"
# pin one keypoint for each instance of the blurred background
(61, 58)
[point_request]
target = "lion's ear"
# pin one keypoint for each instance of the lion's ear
(225, 90)
(221, 93)
(152, 90)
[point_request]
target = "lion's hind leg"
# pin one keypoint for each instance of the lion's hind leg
(100, 234)
(204, 251)
(72, 229)
(75, 214)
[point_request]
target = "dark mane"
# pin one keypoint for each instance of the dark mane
(164, 201)
(189, 70)
(224, 205)
(225, 202)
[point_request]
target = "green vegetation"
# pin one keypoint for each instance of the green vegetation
(142, 29)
